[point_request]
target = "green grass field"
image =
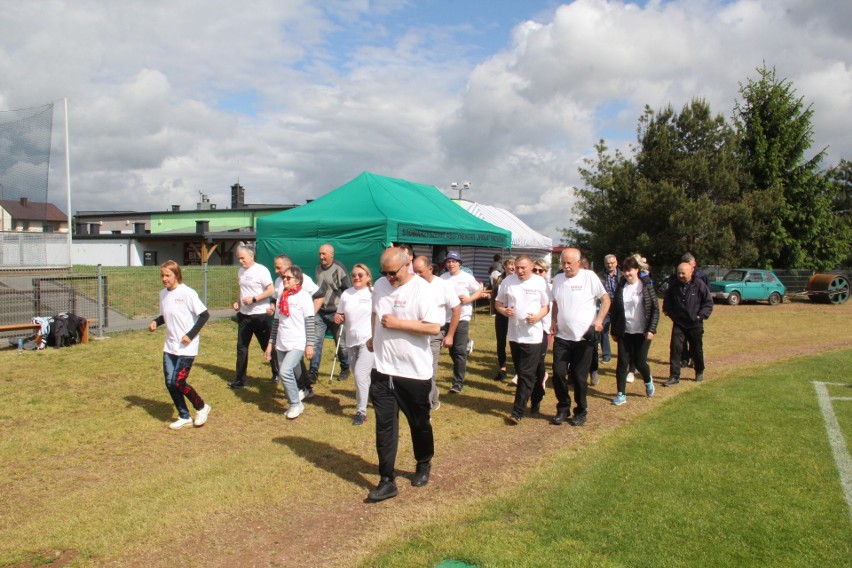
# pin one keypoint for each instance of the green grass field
(736, 471)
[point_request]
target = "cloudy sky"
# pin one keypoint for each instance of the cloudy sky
(169, 98)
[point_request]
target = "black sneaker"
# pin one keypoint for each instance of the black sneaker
(456, 389)
(501, 376)
(699, 377)
(535, 408)
(421, 475)
(671, 382)
(344, 374)
(313, 376)
(560, 419)
(237, 384)
(384, 490)
(578, 420)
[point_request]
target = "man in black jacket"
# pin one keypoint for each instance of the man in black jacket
(687, 303)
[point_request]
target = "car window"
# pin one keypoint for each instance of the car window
(736, 275)
(769, 277)
(755, 277)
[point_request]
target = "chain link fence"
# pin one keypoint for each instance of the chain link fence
(113, 298)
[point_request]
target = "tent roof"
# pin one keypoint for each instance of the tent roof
(375, 207)
(522, 235)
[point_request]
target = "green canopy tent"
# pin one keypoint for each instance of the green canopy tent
(364, 216)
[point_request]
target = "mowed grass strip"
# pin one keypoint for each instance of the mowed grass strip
(736, 473)
(88, 465)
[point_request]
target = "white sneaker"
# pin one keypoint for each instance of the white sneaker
(469, 346)
(201, 415)
(180, 423)
(301, 395)
(544, 380)
(514, 380)
(630, 377)
(295, 410)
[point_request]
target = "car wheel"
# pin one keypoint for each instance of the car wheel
(734, 298)
(775, 299)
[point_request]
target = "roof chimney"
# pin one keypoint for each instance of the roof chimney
(24, 201)
(238, 196)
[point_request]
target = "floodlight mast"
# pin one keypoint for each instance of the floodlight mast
(456, 187)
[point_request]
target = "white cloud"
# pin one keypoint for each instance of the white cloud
(336, 88)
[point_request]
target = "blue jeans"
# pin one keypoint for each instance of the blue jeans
(458, 352)
(288, 361)
(323, 322)
(606, 350)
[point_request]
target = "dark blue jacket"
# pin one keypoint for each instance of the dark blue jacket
(688, 305)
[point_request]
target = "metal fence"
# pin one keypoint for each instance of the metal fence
(112, 298)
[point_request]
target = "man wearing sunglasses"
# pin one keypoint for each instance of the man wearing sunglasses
(468, 291)
(405, 315)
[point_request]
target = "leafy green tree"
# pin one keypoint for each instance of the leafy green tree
(791, 198)
(680, 192)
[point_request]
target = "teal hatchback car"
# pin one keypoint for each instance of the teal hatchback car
(748, 284)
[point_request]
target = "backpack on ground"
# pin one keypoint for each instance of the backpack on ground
(65, 330)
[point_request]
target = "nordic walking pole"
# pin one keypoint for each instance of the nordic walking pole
(336, 347)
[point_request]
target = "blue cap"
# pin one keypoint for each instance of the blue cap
(453, 255)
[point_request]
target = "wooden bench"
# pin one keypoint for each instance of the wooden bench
(84, 330)
(36, 328)
(32, 327)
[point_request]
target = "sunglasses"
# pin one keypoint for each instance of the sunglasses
(392, 272)
(538, 270)
(286, 278)
(360, 274)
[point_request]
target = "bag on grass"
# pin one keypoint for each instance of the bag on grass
(66, 330)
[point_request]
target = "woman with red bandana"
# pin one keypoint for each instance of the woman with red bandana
(293, 335)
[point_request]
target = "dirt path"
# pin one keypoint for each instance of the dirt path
(465, 471)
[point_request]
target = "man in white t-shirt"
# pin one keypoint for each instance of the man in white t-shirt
(468, 291)
(524, 299)
(255, 287)
(448, 301)
(576, 325)
(405, 316)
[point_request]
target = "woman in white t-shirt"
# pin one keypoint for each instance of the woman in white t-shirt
(183, 314)
(354, 311)
(634, 315)
(293, 335)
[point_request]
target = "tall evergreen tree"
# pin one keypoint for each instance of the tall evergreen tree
(790, 197)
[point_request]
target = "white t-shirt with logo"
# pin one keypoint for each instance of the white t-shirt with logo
(576, 302)
(464, 285)
(397, 352)
(634, 308)
(180, 308)
(253, 281)
(526, 297)
(445, 295)
(291, 329)
(356, 307)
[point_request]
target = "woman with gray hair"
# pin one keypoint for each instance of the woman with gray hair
(293, 335)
